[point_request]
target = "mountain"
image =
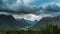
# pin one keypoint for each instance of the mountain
(25, 23)
(50, 20)
(9, 22)
(46, 21)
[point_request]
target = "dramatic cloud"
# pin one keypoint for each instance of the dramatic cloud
(28, 1)
(31, 17)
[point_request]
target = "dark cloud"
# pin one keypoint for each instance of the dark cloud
(12, 6)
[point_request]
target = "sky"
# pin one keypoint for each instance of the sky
(39, 2)
(16, 4)
(31, 2)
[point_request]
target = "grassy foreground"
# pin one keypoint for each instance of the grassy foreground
(51, 29)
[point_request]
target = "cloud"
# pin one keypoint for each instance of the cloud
(27, 1)
(30, 17)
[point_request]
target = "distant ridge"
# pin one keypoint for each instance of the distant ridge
(9, 22)
(46, 21)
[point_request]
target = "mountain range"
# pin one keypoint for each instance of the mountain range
(45, 21)
(9, 22)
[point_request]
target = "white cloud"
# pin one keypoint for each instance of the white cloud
(27, 1)
(31, 17)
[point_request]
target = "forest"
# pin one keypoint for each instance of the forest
(50, 29)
